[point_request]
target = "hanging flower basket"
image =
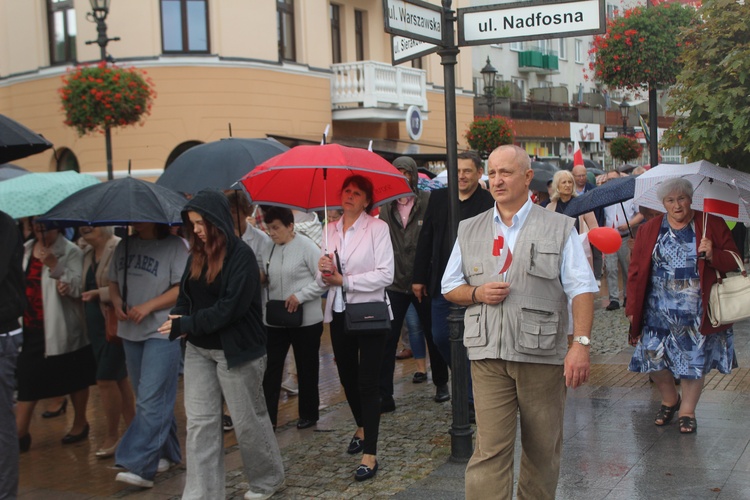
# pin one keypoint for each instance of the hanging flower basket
(105, 96)
(625, 148)
(487, 133)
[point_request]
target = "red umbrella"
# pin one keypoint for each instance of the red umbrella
(310, 178)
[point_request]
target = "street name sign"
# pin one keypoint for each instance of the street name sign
(405, 49)
(414, 19)
(533, 20)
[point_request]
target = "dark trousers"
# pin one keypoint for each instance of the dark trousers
(305, 342)
(399, 305)
(358, 359)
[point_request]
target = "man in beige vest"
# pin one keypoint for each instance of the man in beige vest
(516, 329)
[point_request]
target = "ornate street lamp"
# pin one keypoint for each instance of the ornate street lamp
(489, 73)
(100, 9)
(624, 112)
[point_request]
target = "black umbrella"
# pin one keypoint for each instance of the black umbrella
(219, 164)
(586, 163)
(17, 141)
(609, 193)
(540, 180)
(117, 203)
(9, 171)
(543, 165)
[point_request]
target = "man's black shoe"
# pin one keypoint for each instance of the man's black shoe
(387, 404)
(441, 394)
(613, 305)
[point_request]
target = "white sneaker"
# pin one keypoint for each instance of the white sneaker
(251, 495)
(290, 386)
(134, 479)
(164, 465)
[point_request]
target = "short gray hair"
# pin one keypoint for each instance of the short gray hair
(678, 185)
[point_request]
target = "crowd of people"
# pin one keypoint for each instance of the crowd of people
(238, 287)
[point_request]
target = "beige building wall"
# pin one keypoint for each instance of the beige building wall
(199, 96)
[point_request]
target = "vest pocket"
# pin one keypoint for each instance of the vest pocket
(538, 332)
(475, 327)
(544, 260)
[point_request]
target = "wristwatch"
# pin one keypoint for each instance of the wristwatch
(585, 341)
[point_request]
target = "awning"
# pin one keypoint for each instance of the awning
(390, 149)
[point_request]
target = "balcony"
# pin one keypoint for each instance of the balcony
(535, 61)
(376, 91)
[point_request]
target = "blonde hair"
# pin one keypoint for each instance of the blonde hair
(556, 179)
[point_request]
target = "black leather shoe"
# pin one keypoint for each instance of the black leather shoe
(52, 414)
(74, 438)
(356, 445)
(441, 394)
(304, 423)
(419, 377)
(387, 405)
(364, 473)
(613, 305)
(24, 443)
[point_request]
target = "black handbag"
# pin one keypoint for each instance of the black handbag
(276, 311)
(364, 317)
(278, 315)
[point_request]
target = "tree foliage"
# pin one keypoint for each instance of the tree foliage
(640, 49)
(711, 94)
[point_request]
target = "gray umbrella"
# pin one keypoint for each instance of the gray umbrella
(9, 171)
(17, 141)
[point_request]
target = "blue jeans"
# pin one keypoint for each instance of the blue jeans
(206, 378)
(416, 334)
(153, 367)
(9, 346)
(441, 308)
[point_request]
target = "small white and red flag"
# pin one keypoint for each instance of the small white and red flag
(577, 155)
(721, 199)
(500, 249)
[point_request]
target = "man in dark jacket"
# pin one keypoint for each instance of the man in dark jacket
(12, 305)
(582, 185)
(434, 246)
(404, 218)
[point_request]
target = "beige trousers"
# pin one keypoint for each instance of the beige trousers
(502, 389)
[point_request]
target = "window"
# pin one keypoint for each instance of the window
(562, 49)
(417, 63)
(62, 31)
(612, 11)
(67, 161)
(359, 34)
(285, 14)
(336, 33)
(184, 26)
(579, 51)
(521, 84)
(516, 46)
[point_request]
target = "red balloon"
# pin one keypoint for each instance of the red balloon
(606, 239)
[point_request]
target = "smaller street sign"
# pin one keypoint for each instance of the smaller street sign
(414, 19)
(405, 49)
(533, 20)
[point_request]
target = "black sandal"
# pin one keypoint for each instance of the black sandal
(688, 425)
(666, 413)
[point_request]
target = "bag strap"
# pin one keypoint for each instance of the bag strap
(343, 292)
(740, 265)
(268, 265)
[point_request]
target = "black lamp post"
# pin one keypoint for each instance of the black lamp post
(624, 111)
(488, 74)
(100, 9)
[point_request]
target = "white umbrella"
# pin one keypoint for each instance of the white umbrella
(720, 189)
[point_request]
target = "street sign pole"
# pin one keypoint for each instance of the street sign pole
(460, 431)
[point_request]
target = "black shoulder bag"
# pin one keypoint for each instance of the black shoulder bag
(365, 317)
(276, 311)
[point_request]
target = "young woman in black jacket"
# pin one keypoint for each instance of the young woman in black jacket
(219, 311)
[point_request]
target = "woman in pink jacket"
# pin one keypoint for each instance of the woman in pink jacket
(359, 264)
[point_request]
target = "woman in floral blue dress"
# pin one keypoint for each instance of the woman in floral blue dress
(669, 281)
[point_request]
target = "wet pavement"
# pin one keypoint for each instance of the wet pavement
(611, 448)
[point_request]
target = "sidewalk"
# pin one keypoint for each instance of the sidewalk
(611, 450)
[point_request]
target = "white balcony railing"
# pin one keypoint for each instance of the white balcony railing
(372, 84)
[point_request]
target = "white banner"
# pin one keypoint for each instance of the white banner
(585, 132)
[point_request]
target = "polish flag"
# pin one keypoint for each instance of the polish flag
(577, 155)
(720, 199)
(500, 249)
